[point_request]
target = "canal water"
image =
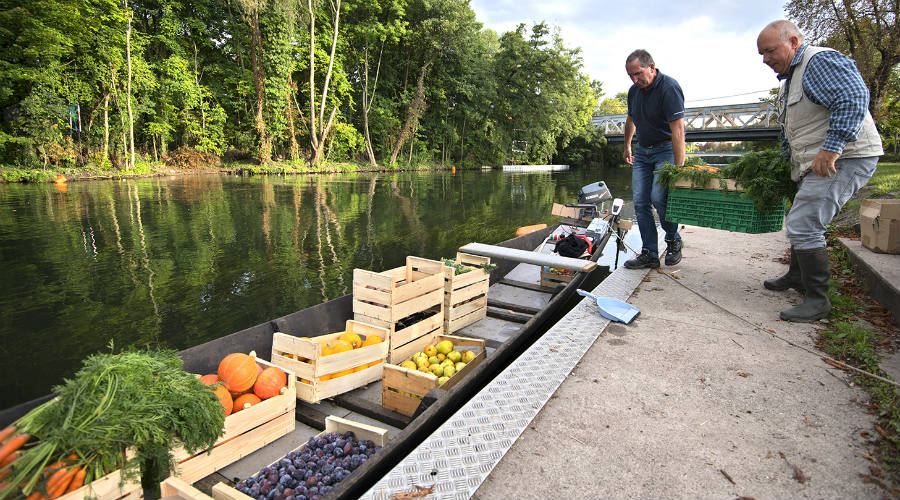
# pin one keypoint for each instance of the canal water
(178, 261)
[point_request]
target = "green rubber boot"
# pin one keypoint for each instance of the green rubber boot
(815, 273)
(791, 279)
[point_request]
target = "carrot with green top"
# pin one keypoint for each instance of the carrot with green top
(7, 432)
(12, 445)
(77, 481)
(60, 487)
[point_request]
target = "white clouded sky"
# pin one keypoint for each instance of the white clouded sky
(708, 46)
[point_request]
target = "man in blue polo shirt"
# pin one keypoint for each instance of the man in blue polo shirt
(656, 113)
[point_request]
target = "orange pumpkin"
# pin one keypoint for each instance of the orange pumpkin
(270, 382)
(245, 401)
(238, 371)
(224, 398)
(209, 379)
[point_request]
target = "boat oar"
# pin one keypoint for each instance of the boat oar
(613, 309)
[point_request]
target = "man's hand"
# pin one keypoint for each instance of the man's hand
(628, 157)
(823, 163)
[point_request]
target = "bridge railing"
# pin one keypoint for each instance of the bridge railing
(707, 118)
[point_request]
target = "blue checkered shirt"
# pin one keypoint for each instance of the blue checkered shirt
(833, 81)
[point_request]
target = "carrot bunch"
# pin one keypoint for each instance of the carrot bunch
(708, 168)
(56, 479)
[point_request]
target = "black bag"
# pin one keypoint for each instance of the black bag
(571, 246)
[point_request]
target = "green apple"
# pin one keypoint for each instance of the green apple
(454, 356)
(444, 346)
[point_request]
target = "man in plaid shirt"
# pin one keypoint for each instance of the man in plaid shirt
(833, 145)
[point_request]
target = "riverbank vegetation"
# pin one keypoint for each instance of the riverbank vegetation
(857, 333)
(860, 330)
(130, 86)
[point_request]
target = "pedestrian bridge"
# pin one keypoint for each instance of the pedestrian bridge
(732, 122)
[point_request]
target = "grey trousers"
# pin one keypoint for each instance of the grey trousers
(819, 199)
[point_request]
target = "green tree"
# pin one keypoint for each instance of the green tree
(866, 30)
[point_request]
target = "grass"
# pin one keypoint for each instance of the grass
(855, 342)
(886, 180)
(11, 173)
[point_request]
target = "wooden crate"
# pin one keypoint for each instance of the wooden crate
(314, 372)
(382, 299)
(552, 277)
(173, 488)
(730, 185)
(245, 432)
(465, 295)
(377, 435)
(402, 389)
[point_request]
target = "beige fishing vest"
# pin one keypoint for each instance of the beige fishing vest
(806, 124)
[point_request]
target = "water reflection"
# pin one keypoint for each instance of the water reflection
(177, 261)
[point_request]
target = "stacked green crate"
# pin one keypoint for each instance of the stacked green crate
(722, 210)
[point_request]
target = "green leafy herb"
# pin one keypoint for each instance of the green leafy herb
(460, 268)
(488, 267)
(765, 177)
(694, 171)
(137, 400)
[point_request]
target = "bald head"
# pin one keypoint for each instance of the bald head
(778, 43)
(784, 30)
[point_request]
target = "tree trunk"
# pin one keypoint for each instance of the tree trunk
(295, 148)
(319, 132)
(462, 140)
(367, 102)
(265, 144)
(199, 91)
(313, 136)
(128, 92)
(106, 127)
(319, 149)
(413, 113)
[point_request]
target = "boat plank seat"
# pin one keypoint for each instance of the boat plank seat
(527, 257)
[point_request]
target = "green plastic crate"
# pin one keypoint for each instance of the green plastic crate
(722, 210)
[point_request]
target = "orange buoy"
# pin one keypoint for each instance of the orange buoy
(60, 179)
(530, 229)
(453, 170)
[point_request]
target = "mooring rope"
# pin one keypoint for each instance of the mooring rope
(768, 331)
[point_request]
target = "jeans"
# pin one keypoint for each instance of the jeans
(648, 195)
(819, 199)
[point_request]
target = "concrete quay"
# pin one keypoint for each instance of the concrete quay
(706, 394)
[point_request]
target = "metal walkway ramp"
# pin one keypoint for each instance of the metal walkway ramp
(461, 453)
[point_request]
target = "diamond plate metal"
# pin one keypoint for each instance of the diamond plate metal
(460, 454)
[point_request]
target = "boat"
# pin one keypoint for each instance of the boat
(534, 168)
(516, 300)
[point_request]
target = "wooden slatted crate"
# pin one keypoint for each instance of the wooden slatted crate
(377, 435)
(402, 389)
(315, 373)
(174, 487)
(552, 277)
(465, 295)
(245, 432)
(384, 298)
